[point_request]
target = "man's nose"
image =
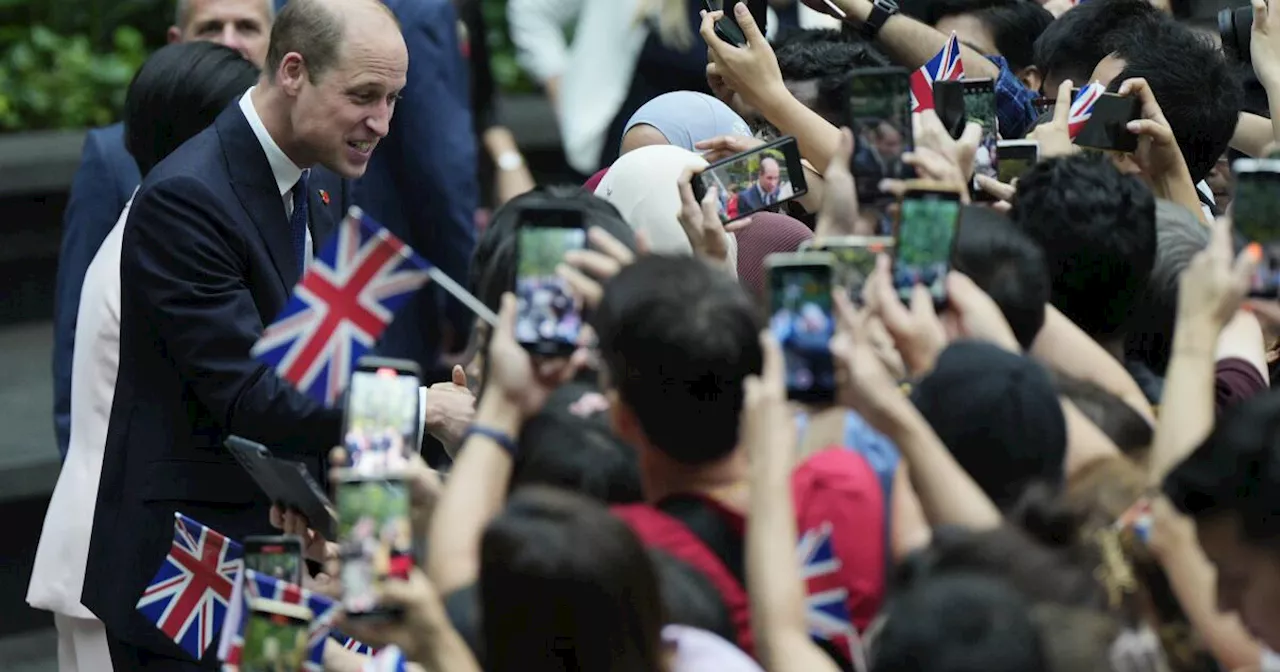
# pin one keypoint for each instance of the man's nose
(230, 37)
(380, 121)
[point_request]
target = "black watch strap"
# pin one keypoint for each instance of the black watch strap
(881, 10)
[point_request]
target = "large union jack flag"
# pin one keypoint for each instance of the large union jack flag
(827, 605)
(346, 298)
(256, 585)
(944, 66)
(1082, 107)
(189, 596)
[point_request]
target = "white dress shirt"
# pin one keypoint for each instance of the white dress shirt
(58, 575)
(286, 172)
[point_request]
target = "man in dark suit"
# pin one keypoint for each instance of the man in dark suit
(107, 177)
(764, 191)
(214, 243)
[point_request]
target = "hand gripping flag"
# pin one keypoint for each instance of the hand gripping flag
(189, 596)
(255, 585)
(1082, 108)
(390, 659)
(944, 66)
(345, 300)
(826, 606)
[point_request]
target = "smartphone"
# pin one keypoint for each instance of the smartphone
(1256, 215)
(754, 180)
(727, 27)
(928, 220)
(802, 319)
(279, 557)
(276, 636)
(1016, 158)
(382, 415)
(980, 108)
(855, 259)
(878, 111)
(549, 316)
(375, 541)
(1106, 126)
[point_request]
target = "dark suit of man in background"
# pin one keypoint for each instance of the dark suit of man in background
(212, 248)
(764, 191)
(107, 176)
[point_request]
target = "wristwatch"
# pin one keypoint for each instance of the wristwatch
(881, 10)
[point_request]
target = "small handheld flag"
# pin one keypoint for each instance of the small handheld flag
(1082, 108)
(352, 644)
(946, 65)
(826, 605)
(189, 596)
(254, 585)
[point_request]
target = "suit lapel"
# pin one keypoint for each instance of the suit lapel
(255, 185)
(323, 217)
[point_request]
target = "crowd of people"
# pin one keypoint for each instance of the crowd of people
(1065, 464)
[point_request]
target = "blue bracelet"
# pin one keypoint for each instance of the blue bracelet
(501, 438)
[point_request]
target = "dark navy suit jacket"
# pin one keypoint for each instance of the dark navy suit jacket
(422, 180)
(103, 184)
(207, 261)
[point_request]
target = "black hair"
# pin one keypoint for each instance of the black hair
(1192, 81)
(1233, 473)
(1014, 24)
(827, 57)
(959, 623)
(677, 338)
(1097, 228)
(1073, 45)
(1179, 237)
(178, 92)
(566, 585)
(689, 597)
(1008, 265)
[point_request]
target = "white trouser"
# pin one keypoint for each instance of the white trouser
(82, 645)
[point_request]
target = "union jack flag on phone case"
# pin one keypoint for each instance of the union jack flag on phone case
(189, 596)
(827, 602)
(1082, 108)
(944, 66)
(390, 659)
(345, 299)
(255, 585)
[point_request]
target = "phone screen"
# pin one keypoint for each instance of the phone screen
(1256, 215)
(1016, 160)
(276, 637)
(549, 317)
(375, 539)
(1106, 127)
(801, 319)
(855, 263)
(879, 114)
(277, 557)
(926, 233)
(382, 419)
(980, 108)
(753, 181)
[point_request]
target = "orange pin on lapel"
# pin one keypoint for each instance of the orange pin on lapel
(324, 197)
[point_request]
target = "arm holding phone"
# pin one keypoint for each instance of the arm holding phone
(1158, 152)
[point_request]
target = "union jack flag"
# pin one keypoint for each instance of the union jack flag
(390, 659)
(1082, 108)
(346, 298)
(256, 585)
(827, 605)
(944, 66)
(189, 596)
(352, 644)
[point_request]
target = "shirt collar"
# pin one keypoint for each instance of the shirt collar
(286, 172)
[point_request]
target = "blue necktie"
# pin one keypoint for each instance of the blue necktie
(298, 222)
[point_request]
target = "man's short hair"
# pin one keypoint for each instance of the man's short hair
(1071, 46)
(1008, 265)
(1097, 228)
(1192, 81)
(182, 12)
(826, 57)
(178, 91)
(312, 30)
(1014, 24)
(677, 338)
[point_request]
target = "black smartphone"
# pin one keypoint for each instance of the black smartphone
(878, 111)
(727, 27)
(948, 104)
(980, 108)
(1106, 127)
(382, 425)
(549, 317)
(801, 317)
(855, 259)
(1016, 158)
(375, 541)
(277, 636)
(1256, 216)
(928, 220)
(279, 557)
(754, 180)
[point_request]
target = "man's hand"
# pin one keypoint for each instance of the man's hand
(752, 70)
(518, 378)
(918, 333)
(586, 271)
(450, 408)
(840, 214)
(1214, 285)
(1055, 136)
(1264, 45)
(1158, 152)
(314, 546)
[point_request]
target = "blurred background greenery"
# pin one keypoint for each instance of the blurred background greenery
(66, 63)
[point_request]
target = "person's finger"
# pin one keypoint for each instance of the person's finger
(277, 517)
(338, 456)
(972, 134)
(584, 287)
(748, 25)
(707, 29)
(922, 310)
(1004, 207)
(685, 185)
(894, 187)
(840, 159)
(1260, 16)
(773, 373)
(711, 207)
(1245, 264)
(995, 187)
(1062, 107)
(892, 312)
(593, 263)
(845, 313)
(606, 243)
(643, 245)
(506, 317)
(1157, 132)
(459, 375)
(736, 225)
(1220, 242)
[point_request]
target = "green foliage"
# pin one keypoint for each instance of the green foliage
(508, 75)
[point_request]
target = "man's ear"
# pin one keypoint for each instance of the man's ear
(1126, 164)
(621, 418)
(1031, 76)
(174, 35)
